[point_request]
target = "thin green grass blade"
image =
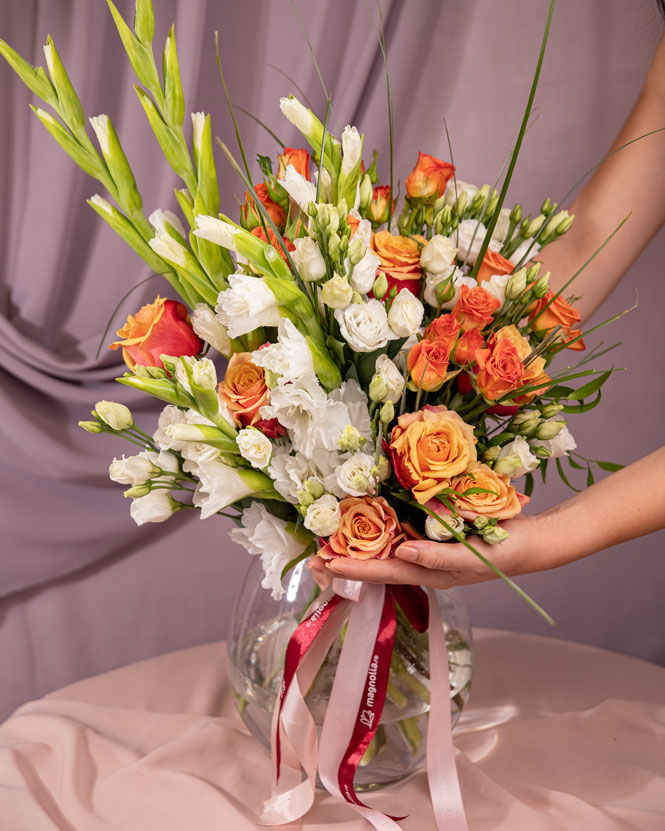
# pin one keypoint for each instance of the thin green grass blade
(295, 84)
(384, 52)
(323, 144)
(115, 311)
(261, 123)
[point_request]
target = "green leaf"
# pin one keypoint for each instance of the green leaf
(574, 464)
(611, 466)
(558, 391)
(528, 484)
(309, 550)
(588, 389)
(585, 406)
(589, 477)
(337, 349)
(564, 478)
(543, 470)
(501, 438)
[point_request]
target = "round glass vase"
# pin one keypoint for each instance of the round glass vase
(260, 630)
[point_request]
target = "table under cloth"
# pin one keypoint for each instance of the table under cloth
(556, 735)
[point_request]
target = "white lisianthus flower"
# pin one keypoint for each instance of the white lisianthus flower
(406, 314)
(246, 305)
(352, 145)
(436, 531)
(215, 230)
(323, 516)
(132, 470)
(298, 188)
(168, 416)
(308, 259)
(300, 408)
(560, 445)
(290, 472)
(353, 397)
(496, 286)
(438, 254)
(209, 329)
(159, 218)
(469, 237)
(156, 506)
(290, 358)
(364, 272)
(515, 459)
(254, 447)
(521, 251)
(363, 229)
(455, 189)
(168, 249)
(434, 280)
(336, 292)
(354, 476)
(393, 378)
(364, 326)
(502, 225)
(297, 114)
(266, 535)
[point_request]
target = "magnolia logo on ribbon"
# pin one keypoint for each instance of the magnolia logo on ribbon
(316, 614)
(368, 715)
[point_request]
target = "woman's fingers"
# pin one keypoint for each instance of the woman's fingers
(389, 571)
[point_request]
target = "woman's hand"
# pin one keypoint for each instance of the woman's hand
(442, 565)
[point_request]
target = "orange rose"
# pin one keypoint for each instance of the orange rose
(500, 369)
(249, 213)
(400, 260)
(429, 447)
(559, 312)
(467, 346)
(475, 308)
(299, 159)
(429, 178)
(159, 328)
(428, 363)
(493, 263)
(369, 529)
(534, 371)
(444, 328)
(244, 389)
(502, 503)
(261, 234)
(379, 207)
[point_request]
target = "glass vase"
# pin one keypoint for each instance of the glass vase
(260, 630)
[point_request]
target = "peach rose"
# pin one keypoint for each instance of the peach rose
(298, 158)
(369, 529)
(249, 213)
(502, 503)
(499, 369)
(467, 346)
(379, 207)
(475, 308)
(559, 312)
(444, 328)
(400, 260)
(493, 263)
(428, 363)
(429, 178)
(244, 389)
(534, 372)
(427, 448)
(159, 328)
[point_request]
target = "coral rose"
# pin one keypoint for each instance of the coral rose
(298, 158)
(399, 259)
(429, 178)
(558, 312)
(249, 213)
(493, 263)
(159, 328)
(534, 371)
(244, 389)
(475, 308)
(444, 328)
(261, 234)
(429, 447)
(428, 363)
(467, 346)
(502, 503)
(379, 207)
(499, 369)
(368, 529)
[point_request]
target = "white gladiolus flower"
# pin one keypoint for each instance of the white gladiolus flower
(434, 280)
(219, 486)
(101, 203)
(465, 233)
(298, 188)
(455, 189)
(198, 123)
(168, 249)
(246, 305)
(300, 408)
(132, 470)
(168, 416)
(364, 326)
(515, 459)
(392, 377)
(354, 476)
(297, 114)
(100, 124)
(560, 445)
(438, 254)
(364, 272)
(159, 218)
(436, 531)
(323, 516)
(308, 259)
(352, 145)
(209, 329)
(266, 535)
(496, 286)
(406, 314)
(502, 225)
(203, 371)
(215, 230)
(254, 447)
(156, 506)
(290, 358)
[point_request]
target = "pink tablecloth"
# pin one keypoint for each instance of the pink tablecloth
(556, 736)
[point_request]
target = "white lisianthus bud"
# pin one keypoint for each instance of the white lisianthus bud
(323, 516)
(209, 329)
(254, 447)
(541, 286)
(325, 191)
(515, 459)
(494, 535)
(364, 273)
(159, 218)
(436, 530)
(525, 423)
(157, 506)
(309, 260)
(378, 389)
(132, 470)
(550, 410)
(311, 491)
(406, 314)
(516, 284)
(392, 378)
(354, 476)
(550, 429)
(352, 145)
(203, 372)
(387, 413)
(456, 277)
(556, 221)
(136, 491)
(380, 287)
(336, 292)
(356, 251)
(351, 440)
(117, 416)
(366, 191)
(385, 468)
(297, 114)
(91, 426)
(438, 254)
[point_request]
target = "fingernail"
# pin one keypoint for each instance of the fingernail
(333, 565)
(407, 552)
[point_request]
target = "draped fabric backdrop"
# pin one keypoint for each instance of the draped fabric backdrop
(82, 589)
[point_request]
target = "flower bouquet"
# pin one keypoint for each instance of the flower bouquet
(390, 376)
